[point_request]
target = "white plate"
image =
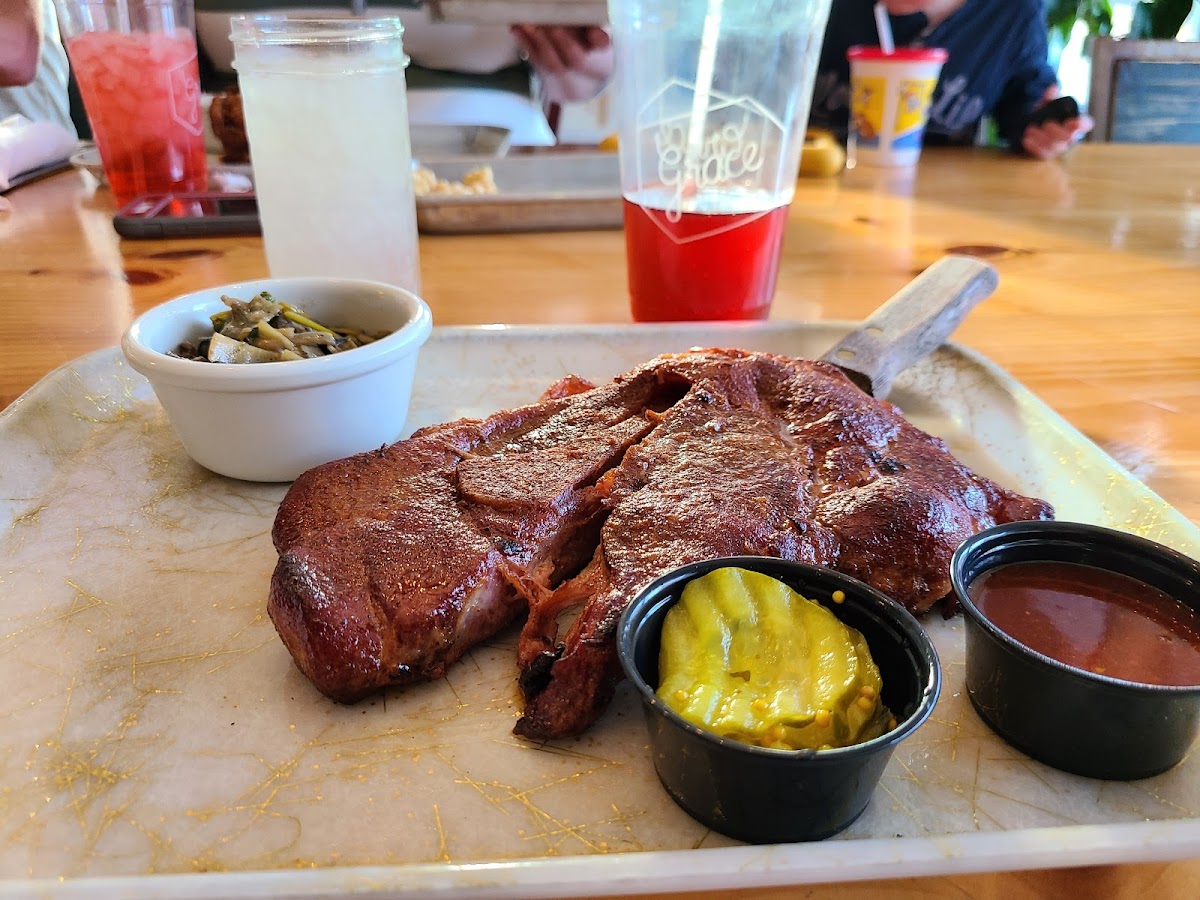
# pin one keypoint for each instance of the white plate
(431, 142)
(87, 157)
(154, 727)
(520, 116)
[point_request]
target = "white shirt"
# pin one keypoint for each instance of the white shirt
(45, 98)
(436, 45)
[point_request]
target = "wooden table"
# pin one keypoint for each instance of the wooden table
(1098, 312)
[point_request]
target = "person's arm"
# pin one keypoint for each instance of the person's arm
(573, 63)
(1031, 84)
(20, 41)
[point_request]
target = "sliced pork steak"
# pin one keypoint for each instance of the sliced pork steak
(393, 563)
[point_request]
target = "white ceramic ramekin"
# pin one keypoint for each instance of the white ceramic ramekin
(272, 421)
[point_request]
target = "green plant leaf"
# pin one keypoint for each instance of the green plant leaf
(1061, 16)
(1097, 15)
(1158, 19)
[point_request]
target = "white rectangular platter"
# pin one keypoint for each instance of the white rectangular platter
(156, 740)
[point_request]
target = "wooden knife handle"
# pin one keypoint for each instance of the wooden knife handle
(914, 322)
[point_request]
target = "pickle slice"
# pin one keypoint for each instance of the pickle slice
(748, 658)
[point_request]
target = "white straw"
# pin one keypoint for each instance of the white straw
(884, 26)
(123, 16)
(705, 70)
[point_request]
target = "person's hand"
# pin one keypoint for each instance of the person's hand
(1051, 139)
(558, 49)
(573, 63)
(1054, 138)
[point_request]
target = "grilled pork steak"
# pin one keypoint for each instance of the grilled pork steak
(393, 563)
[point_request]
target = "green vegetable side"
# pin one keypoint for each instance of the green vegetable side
(748, 658)
(263, 329)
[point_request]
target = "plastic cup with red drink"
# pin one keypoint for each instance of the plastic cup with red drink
(135, 62)
(712, 104)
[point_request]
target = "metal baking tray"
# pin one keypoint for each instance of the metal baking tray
(505, 12)
(539, 192)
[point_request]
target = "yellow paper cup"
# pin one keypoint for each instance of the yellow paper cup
(889, 103)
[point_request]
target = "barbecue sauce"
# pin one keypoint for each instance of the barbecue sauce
(746, 657)
(1093, 619)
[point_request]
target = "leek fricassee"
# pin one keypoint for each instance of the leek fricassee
(263, 329)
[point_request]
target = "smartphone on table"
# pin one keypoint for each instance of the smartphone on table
(188, 215)
(1060, 109)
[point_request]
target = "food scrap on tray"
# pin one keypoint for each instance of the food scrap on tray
(480, 180)
(263, 329)
(392, 564)
(229, 125)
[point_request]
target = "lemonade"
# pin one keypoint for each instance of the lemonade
(327, 123)
(141, 91)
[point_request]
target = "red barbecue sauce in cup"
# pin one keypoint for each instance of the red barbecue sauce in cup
(1094, 620)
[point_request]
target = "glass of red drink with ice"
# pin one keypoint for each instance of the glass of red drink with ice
(712, 105)
(135, 62)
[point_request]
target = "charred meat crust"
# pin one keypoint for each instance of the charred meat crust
(392, 564)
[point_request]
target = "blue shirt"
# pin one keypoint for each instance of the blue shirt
(997, 65)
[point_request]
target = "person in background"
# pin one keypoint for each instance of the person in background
(997, 67)
(571, 63)
(20, 36)
(462, 73)
(33, 63)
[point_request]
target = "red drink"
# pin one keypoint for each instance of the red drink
(704, 265)
(142, 96)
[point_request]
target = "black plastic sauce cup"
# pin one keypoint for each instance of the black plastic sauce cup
(762, 795)
(1066, 717)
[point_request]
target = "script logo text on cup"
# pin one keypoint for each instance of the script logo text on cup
(184, 90)
(728, 153)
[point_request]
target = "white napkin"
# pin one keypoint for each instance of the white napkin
(26, 145)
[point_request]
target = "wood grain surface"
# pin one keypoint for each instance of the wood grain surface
(1097, 311)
